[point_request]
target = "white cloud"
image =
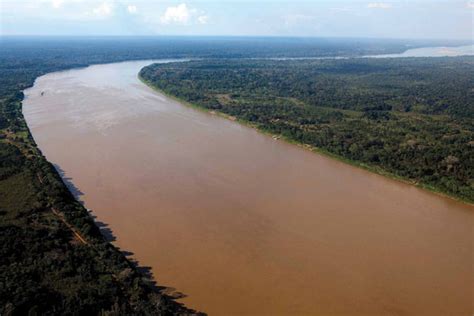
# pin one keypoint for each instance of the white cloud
(379, 5)
(132, 9)
(182, 14)
(179, 15)
(203, 19)
(103, 10)
(57, 3)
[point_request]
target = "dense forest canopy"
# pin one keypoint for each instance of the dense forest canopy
(412, 118)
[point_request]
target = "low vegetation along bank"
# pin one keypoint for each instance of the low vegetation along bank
(412, 119)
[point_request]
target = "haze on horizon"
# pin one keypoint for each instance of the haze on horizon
(420, 19)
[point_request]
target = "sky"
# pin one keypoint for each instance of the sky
(417, 19)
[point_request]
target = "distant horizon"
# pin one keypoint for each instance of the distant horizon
(177, 36)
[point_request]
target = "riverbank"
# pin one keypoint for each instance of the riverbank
(54, 255)
(373, 169)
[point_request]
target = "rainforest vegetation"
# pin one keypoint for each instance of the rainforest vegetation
(412, 118)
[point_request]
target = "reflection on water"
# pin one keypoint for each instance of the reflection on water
(432, 52)
(415, 52)
(242, 223)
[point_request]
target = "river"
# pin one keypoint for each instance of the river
(467, 50)
(438, 51)
(241, 223)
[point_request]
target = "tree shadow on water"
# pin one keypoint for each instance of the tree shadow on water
(77, 193)
(68, 181)
(104, 228)
(150, 279)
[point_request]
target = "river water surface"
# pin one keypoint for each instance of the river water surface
(467, 50)
(242, 223)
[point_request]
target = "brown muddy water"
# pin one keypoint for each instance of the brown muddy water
(242, 223)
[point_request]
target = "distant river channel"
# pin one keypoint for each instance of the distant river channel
(241, 223)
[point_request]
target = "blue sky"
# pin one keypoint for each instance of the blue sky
(451, 19)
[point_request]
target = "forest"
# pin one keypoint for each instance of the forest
(408, 118)
(411, 119)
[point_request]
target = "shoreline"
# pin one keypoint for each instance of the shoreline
(66, 208)
(374, 170)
